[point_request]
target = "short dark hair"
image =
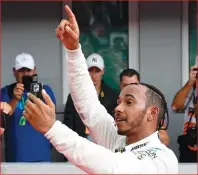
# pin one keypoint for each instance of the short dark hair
(156, 98)
(129, 73)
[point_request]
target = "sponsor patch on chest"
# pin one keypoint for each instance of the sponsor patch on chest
(150, 152)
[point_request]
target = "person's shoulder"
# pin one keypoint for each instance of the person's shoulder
(165, 155)
(171, 154)
(47, 88)
(156, 147)
(192, 91)
(162, 157)
(190, 97)
(167, 150)
(69, 98)
(6, 87)
(109, 90)
(4, 91)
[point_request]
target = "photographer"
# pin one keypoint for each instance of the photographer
(20, 137)
(185, 101)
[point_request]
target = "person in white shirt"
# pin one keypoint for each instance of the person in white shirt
(129, 76)
(128, 145)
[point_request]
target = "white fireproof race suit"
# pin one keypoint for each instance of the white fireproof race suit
(147, 156)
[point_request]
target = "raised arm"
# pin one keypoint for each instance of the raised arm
(181, 96)
(93, 114)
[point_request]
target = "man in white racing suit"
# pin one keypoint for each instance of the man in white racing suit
(128, 145)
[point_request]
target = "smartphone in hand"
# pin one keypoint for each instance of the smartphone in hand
(36, 87)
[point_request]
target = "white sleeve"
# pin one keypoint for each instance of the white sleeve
(94, 115)
(93, 158)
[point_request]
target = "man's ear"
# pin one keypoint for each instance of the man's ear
(14, 71)
(153, 112)
(34, 69)
(103, 71)
(120, 85)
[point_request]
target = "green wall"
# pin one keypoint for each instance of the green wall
(192, 33)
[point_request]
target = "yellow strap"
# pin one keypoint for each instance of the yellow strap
(86, 131)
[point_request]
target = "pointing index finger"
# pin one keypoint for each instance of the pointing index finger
(70, 14)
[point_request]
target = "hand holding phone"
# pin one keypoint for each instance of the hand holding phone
(36, 89)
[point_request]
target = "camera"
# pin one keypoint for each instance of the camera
(32, 85)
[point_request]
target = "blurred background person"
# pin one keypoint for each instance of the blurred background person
(185, 101)
(22, 142)
(5, 109)
(106, 95)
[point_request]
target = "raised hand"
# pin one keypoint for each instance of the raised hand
(40, 115)
(18, 91)
(68, 31)
(5, 108)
